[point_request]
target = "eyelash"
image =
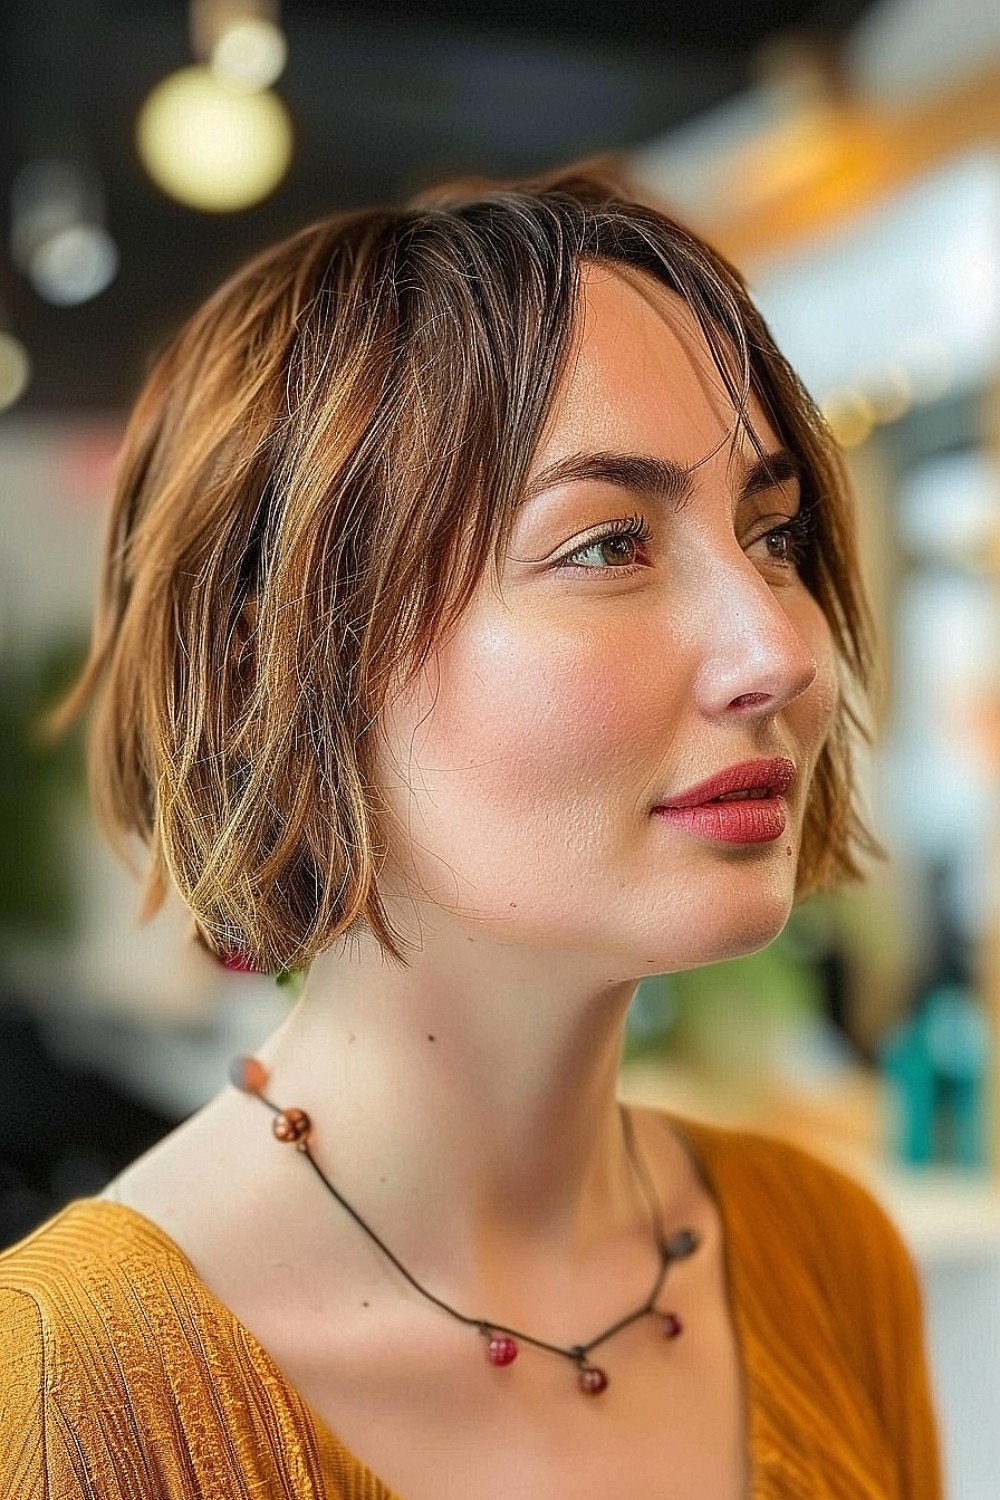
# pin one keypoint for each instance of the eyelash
(797, 529)
(635, 527)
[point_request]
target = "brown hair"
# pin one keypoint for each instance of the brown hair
(317, 472)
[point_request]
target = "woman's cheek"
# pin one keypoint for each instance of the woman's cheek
(543, 715)
(814, 712)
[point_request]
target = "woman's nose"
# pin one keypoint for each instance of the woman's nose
(757, 658)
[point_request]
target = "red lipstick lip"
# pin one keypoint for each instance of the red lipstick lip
(776, 775)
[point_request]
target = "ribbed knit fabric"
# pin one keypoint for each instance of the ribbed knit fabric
(123, 1378)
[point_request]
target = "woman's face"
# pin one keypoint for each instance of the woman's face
(648, 630)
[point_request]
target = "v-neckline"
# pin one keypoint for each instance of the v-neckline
(694, 1137)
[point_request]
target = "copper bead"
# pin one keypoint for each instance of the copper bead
(248, 1074)
(292, 1126)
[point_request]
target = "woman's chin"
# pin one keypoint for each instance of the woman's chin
(721, 936)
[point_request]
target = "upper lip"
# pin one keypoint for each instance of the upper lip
(774, 775)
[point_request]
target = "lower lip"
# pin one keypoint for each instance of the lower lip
(754, 820)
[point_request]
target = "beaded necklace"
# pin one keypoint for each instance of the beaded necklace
(292, 1126)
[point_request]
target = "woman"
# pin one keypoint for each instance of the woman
(480, 628)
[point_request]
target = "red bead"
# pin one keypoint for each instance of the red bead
(501, 1350)
(292, 1126)
(248, 1074)
(592, 1380)
(238, 962)
(670, 1325)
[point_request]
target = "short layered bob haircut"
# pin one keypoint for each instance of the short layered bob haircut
(317, 473)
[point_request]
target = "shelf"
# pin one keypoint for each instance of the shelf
(945, 1215)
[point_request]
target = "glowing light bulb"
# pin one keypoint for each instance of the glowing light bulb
(850, 415)
(57, 234)
(15, 370)
(250, 54)
(210, 145)
(74, 264)
(891, 394)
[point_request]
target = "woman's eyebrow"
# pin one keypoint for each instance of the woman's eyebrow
(769, 471)
(660, 478)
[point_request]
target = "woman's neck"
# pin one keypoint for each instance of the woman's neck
(466, 1104)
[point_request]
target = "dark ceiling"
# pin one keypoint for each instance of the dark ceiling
(385, 97)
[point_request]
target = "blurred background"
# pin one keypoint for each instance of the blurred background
(846, 155)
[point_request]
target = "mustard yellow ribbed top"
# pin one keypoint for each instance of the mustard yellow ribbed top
(124, 1378)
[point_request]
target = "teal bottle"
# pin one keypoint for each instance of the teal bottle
(937, 1061)
(957, 1041)
(906, 1068)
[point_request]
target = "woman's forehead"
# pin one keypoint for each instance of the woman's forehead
(640, 374)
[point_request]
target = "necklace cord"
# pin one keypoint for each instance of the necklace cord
(674, 1249)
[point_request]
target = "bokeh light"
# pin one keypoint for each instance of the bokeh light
(250, 54)
(57, 236)
(212, 146)
(74, 264)
(15, 370)
(850, 415)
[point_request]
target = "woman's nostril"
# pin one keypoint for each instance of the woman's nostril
(750, 700)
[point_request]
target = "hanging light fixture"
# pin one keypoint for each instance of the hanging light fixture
(15, 369)
(58, 238)
(214, 135)
(250, 53)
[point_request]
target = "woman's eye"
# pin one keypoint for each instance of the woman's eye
(780, 544)
(787, 544)
(619, 547)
